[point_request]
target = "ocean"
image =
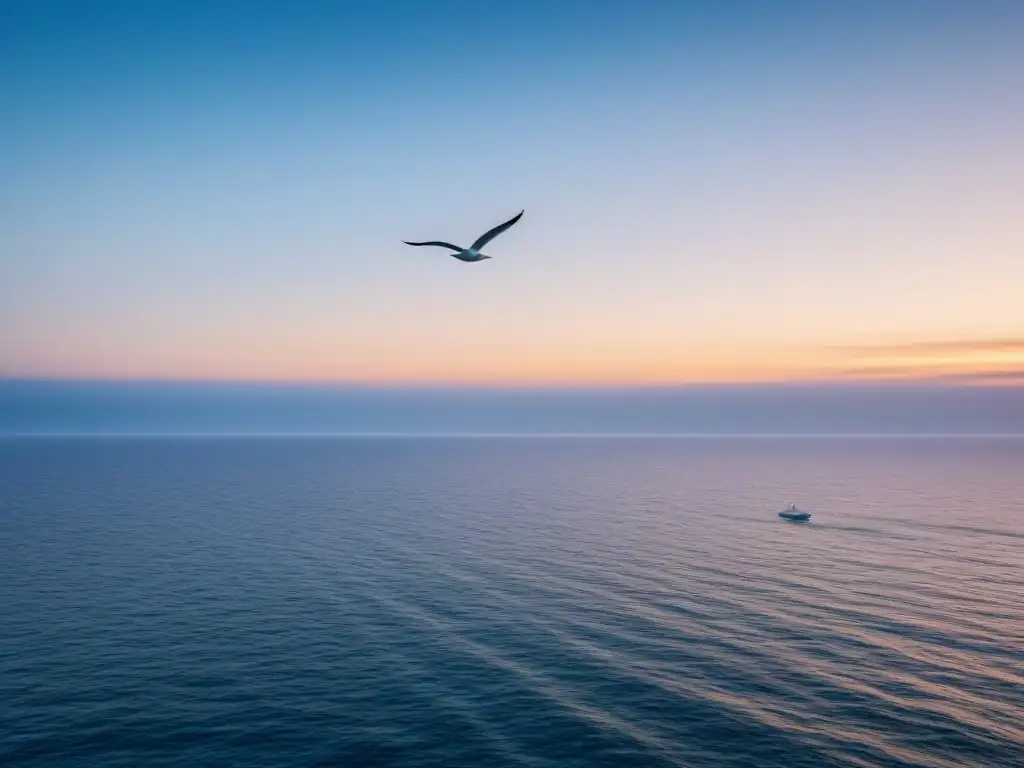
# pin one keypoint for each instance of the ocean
(273, 602)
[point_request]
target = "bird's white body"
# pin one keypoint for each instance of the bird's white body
(470, 254)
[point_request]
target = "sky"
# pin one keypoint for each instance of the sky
(714, 191)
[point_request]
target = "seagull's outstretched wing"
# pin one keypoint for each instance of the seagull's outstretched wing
(437, 242)
(485, 238)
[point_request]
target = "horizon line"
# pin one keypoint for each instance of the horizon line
(978, 380)
(504, 435)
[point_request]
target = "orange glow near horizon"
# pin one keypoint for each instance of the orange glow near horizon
(988, 361)
(985, 361)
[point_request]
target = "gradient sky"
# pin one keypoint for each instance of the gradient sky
(713, 191)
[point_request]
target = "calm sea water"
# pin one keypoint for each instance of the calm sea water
(511, 602)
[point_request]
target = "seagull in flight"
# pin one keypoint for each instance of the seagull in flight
(473, 252)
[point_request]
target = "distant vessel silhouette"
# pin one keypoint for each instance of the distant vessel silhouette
(795, 515)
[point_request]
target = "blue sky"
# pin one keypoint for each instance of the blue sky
(713, 191)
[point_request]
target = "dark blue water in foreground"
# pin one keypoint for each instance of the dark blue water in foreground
(511, 602)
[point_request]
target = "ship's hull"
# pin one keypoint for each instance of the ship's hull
(795, 517)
